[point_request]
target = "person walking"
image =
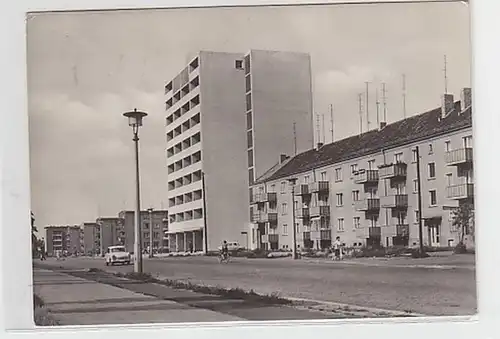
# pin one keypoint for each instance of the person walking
(337, 249)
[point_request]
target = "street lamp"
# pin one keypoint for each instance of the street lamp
(150, 210)
(292, 181)
(135, 121)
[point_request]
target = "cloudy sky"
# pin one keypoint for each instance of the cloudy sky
(85, 69)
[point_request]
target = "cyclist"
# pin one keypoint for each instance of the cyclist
(224, 250)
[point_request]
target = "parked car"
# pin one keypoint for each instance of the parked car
(117, 254)
(232, 246)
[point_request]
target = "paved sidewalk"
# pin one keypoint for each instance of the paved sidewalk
(76, 301)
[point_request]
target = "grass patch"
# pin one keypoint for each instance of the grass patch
(230, 293)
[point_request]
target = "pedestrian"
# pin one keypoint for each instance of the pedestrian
(337, 251)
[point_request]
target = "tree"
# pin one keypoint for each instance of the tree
(463, 221)
(34, 239)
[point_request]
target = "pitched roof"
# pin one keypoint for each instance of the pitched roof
(419, 127)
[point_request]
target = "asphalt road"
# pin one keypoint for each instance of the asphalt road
(429, 291)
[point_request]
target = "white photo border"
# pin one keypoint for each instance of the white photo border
(16, 269)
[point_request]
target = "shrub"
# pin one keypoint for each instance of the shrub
(460, 248)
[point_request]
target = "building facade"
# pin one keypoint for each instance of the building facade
(365, 188)
(217, 108)
(109, 232)
(91, 238)
(64, 238)
(124, 230)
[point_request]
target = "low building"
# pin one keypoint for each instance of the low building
(64, 238)
(126, 233)
(364, 188)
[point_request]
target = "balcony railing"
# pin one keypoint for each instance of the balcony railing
(459, 156)
(319, 187)
(370, 204)
(366, 177)
(394, 201)
(302, 213)
(270, 238)
(462, 191)
(301, 189)
(263, 217)
(402, 230)
(325, 234)
(264, 197)
(319, 211)
(397, 170)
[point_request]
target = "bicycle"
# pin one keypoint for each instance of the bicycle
(224, 258)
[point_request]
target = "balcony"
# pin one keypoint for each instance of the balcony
(402, 230)
(457, 192)
(319, 187)
(366, 205)
(264, 197)
(302, 213)
(366, 177)
(263, 217)
(319, 211)
(270, 238)
(397, 170)
(394, 201)
(301, 189)
(306, 235)
(325, 234)
(459, 157)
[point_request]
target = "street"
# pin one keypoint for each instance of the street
(433, 286)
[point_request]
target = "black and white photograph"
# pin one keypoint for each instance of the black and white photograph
(251, 163)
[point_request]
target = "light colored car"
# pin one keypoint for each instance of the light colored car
(232, 246)
(117, 254)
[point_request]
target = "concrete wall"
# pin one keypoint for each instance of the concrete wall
(224, 155)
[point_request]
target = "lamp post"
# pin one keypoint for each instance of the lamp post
(292, 181)
(135, 121)
(150, 210)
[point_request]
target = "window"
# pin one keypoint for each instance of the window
(295, 205)
(467, 141)
(354, 169)
(283, 186)
(415, 185)
(250, 176)
(249, 120)
(238, 64)
(371, 164)
(323, 176)
(398, 158)
(414, 155)
(297, 228)
(249, 101)
(249, 139)
(284, 208)
(340, 199)
(250, 158)
(448, 179)
(447, 146)
(356, 222)
(417, 216)
(285, 229)
(272, 188)
(433, 197)
(431, 149)
(340, 224)
(355, 195)
(306, 179)
(146, 225)
(338, 174)
(432, 170)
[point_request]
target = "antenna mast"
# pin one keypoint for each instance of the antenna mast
(294, 139)
(445, 75)
(323, 127)
(377, 102)
(318, 129)
(384, 101)
(367, 107)
(360, 103)
(404, 95)
(331, 118)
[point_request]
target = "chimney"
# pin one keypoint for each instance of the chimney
(447, 105)
(382, 125)
(466, 97)
(283, 157)
(319, 145)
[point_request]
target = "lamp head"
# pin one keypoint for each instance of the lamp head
(135, 117)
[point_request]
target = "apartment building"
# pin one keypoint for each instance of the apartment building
(124, 230)
(91, 238)
(224, 127)
(109, 232)
(364, 188)
(63, 238)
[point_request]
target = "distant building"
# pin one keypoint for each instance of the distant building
(364, 188)
(125, 231)
(110, 228)
(64, 238)
(91, 238)
(229, 118)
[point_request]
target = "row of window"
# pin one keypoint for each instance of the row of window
(188, 106)
(187, 215)
(185, 198)
(183, 77)
(184, 145)
(185, 180)
(188, 124)
(185, 162)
